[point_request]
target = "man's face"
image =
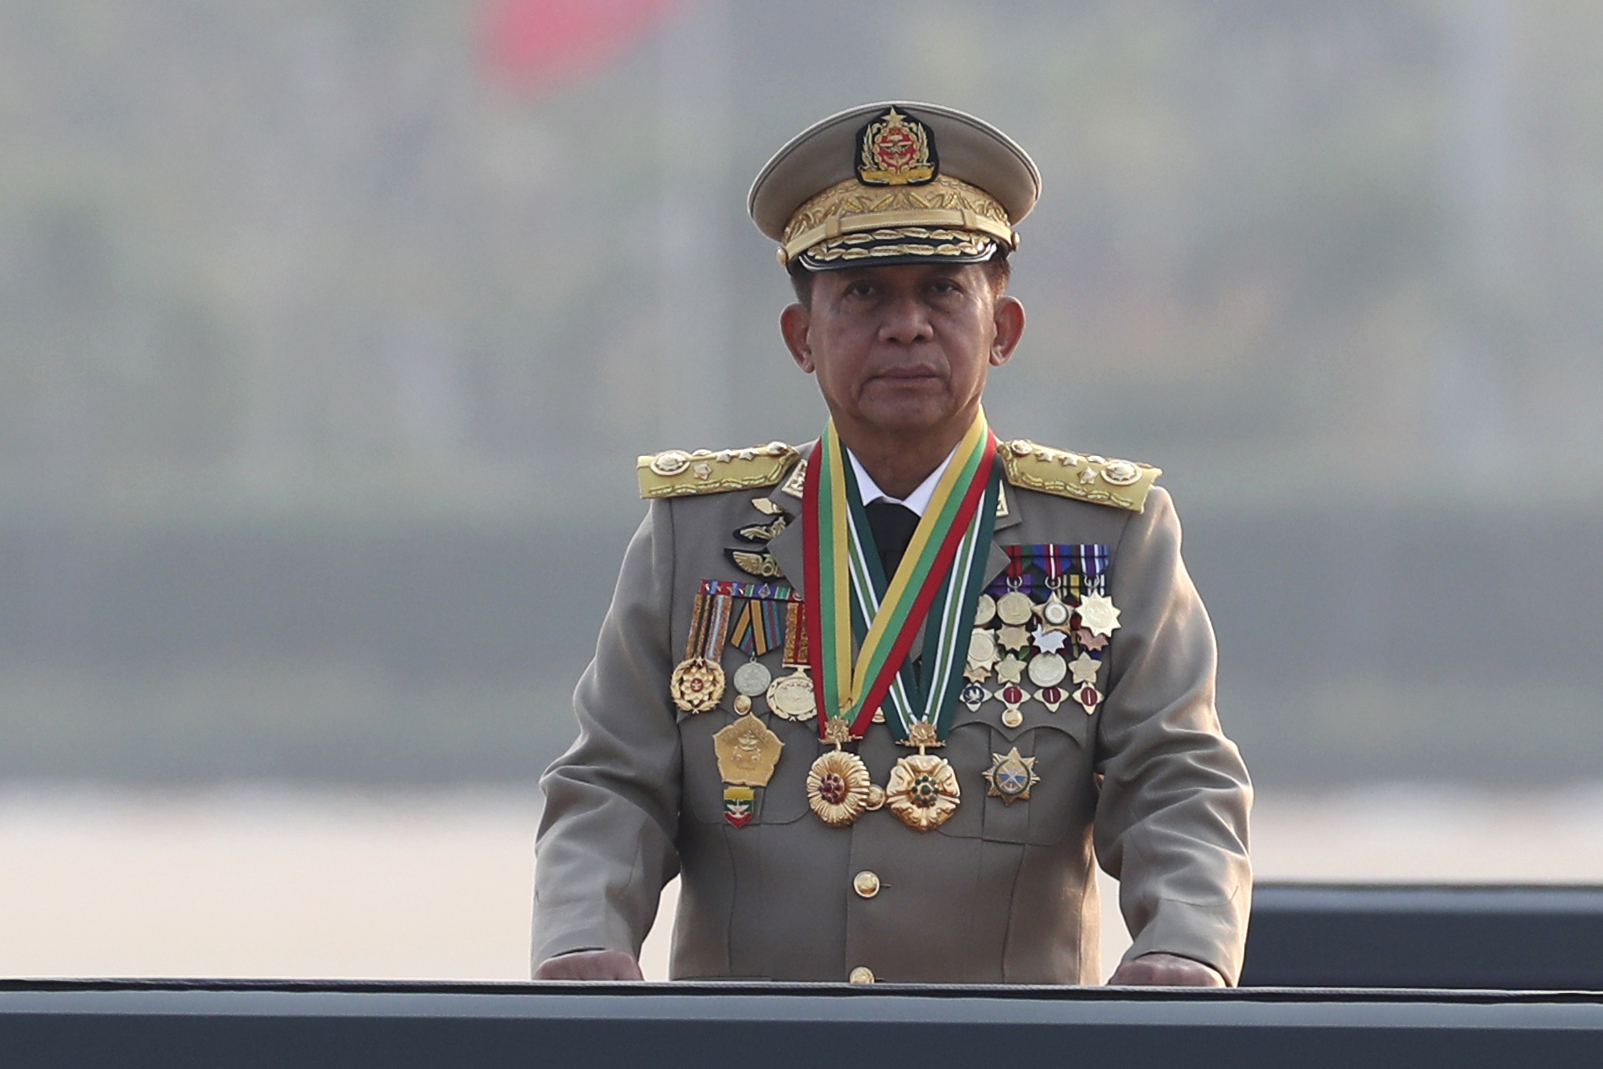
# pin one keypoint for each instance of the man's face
(904, 349)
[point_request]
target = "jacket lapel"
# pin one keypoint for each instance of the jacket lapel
(786, 549)
(786, 546)
(996, 563)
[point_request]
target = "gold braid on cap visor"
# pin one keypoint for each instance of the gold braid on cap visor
(945, 217)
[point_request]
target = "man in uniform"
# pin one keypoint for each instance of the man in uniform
(882, 700)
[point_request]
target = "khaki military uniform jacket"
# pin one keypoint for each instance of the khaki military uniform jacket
(1000, 893)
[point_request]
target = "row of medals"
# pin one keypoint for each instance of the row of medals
(922, 789)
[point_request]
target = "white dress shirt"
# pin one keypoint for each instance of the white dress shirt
(917, 501)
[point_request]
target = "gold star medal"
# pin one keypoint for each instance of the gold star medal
(984, 610)
(1013, 637)
(1054, 613)
(1098, 614)
(1009, 670)
(1084, 668)
(981, 655)
(1010, 777)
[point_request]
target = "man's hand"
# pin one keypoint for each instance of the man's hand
(590, 965)
(1165, 970)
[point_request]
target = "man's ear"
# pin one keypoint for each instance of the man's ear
(793, 324)
(1009, 317)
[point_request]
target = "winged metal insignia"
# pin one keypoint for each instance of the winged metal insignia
(761, 564)
(763, 533)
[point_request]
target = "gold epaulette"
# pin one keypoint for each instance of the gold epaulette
(1121, 483)
(675, 473)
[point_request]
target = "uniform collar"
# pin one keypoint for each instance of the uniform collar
(916, 502)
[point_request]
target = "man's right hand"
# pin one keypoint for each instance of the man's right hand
(590, 965)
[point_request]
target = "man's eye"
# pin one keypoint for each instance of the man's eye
(861, 289)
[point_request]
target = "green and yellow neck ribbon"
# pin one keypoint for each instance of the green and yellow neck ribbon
(854, 605)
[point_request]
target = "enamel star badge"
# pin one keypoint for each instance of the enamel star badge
(1010, 777)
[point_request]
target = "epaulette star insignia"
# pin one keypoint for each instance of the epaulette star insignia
(1085, 477)
(675, 473)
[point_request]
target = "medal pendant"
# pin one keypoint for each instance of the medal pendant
(1048, 669)
(1054, 613)
(747, 752)
(1014, 608)
(1014, 638)
(792, 696)
(923, 791)
(752, 679)
(982, 647)
(1098, 614)
(1085, 668)
(1010, 777)
(984, 610)
(697, 685)
(1012, 697)
(839, 788)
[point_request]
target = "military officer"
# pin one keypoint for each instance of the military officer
(882, 700)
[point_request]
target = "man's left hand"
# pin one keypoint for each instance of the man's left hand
(1165, 970)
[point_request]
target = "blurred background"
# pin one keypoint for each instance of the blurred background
(329, 333)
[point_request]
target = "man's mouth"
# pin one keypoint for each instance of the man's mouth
(909, 373)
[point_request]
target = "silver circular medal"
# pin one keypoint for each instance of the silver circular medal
(1014, 608)
(982, 647)
(984, 610)
(752, 679)
(1055, 612)
(1047, 669)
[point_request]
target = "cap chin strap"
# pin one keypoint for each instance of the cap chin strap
(954, 218)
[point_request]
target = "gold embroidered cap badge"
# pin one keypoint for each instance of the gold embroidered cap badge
(896, 150)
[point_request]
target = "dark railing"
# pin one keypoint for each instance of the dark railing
(234, 1025)
(1346, 955)
(1349, 935)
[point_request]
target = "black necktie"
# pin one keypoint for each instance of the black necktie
(893, 527)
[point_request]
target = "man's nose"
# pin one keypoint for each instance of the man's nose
(906, 321)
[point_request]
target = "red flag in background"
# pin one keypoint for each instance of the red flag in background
(536, 45)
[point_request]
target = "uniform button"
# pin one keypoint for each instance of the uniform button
(866, 884)
(862, 975)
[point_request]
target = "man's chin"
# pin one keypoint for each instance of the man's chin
(909, 421)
